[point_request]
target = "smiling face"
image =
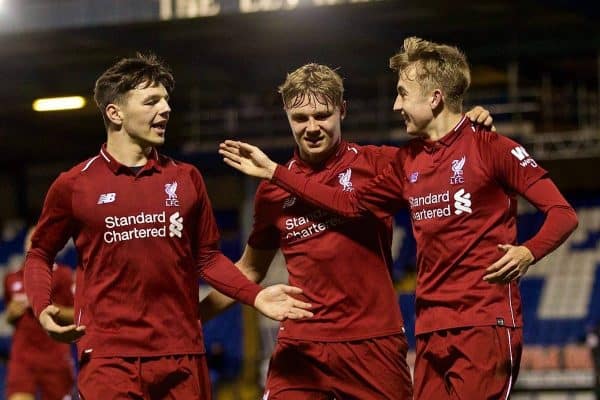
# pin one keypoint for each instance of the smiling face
(144, 113)
(316, 126)
(415, 104)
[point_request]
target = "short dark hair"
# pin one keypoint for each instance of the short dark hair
(127, 74)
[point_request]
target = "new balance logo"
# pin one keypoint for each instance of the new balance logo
(176, 225)
(462, 202)
(413, 177)
(106, 198)
(290, 201)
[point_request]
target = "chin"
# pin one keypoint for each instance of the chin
(312, 150)
(158, 141)
(320, 152)
(412, 131)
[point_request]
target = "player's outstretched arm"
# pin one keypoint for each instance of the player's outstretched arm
(276, 302)
(254, 264)
(381, 196)
(49, 319)
(247, 158)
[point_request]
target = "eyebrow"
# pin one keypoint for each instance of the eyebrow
(156, 96)
(298, 114)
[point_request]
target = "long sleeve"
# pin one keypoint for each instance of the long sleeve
(224, 276)
(511, 164)
(212, 265)
(382, 196)
(53, 230)
(560, 221)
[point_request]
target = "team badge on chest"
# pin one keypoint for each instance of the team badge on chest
(170, 190)
(344, 179)
(457, 171)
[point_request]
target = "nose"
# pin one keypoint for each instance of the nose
(312, 125)
(398, 103)
(166, 109)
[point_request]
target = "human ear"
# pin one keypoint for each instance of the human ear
(113, 113)
(436, 98)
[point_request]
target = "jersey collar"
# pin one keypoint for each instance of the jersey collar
(455, 132)
(327, 164)
(116, 167)
(449, 138)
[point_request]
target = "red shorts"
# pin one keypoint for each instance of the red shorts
(27, 377)
(468, 363)
(168, 377)
(364, 369)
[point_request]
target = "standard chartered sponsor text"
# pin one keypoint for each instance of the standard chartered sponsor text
(135, 232)
(429, 200)
(302, 227)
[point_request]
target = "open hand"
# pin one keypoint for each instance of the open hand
(247, 159)
(63, 333)
(277, 303)
(511, 266)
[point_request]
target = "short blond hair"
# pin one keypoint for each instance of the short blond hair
(437, 66)
(315, 82)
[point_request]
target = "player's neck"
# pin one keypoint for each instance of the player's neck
(442, 124)
(127, 151)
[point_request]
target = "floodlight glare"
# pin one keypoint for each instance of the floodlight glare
(59, 103)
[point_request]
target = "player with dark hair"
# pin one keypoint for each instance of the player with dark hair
(145, 233)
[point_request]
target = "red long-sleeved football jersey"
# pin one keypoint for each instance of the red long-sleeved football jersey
(461, 191)
(143, 241)
(341, 264)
